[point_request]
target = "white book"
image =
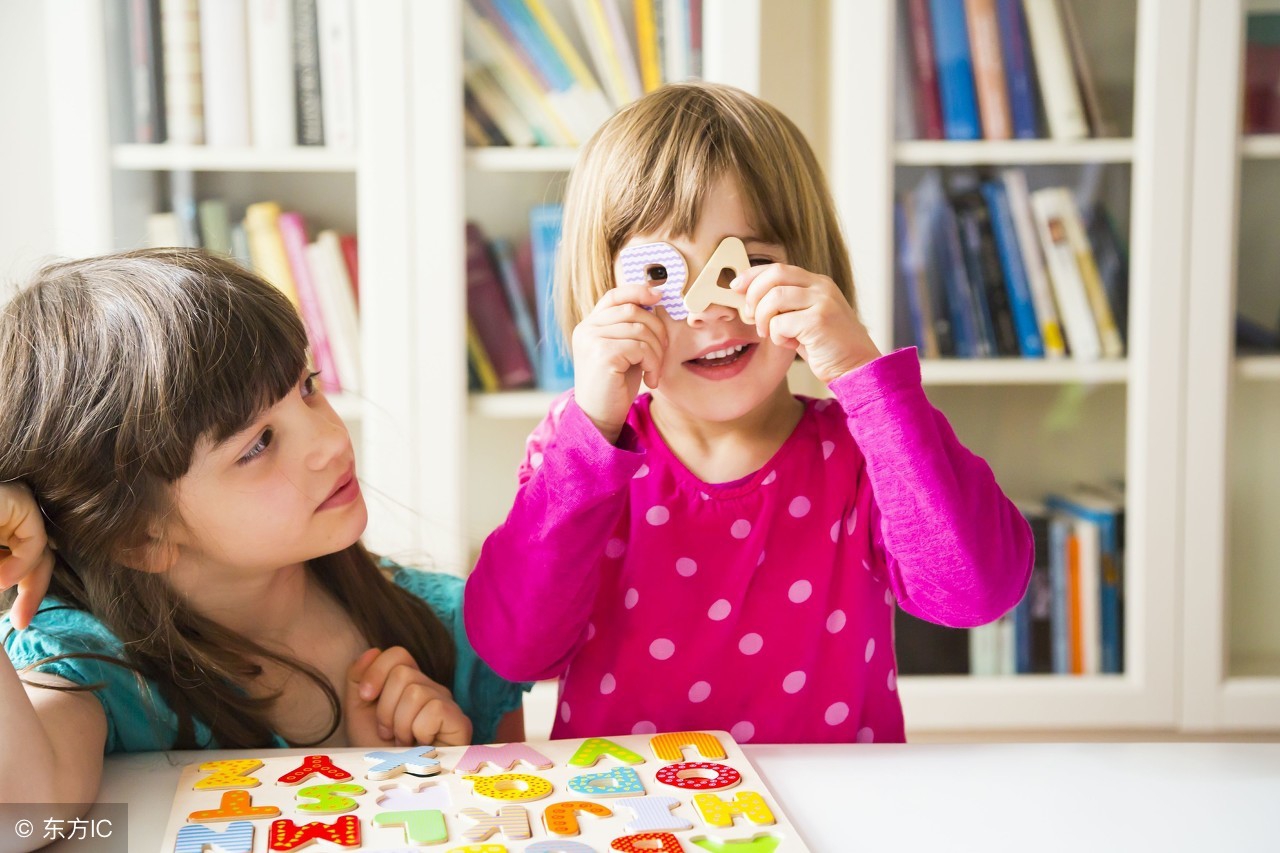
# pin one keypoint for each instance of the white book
(591, 22)
(1089, 544)
(1064, 273)
(1108, 333)
(183, 89)
(272, 104)
(338, 311)
(164, 230)
(224, 63)
(1015, 184)
(622, 45)
(1054, 70)
(337, 73)
(494, 101)
(676, 44)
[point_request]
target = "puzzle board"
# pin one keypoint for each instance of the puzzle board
(686, 791)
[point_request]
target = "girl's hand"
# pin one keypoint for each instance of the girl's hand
(614, 347)
(806, 312)
(389, 702)
(28, 562)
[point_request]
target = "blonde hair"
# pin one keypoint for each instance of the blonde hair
(650, 166)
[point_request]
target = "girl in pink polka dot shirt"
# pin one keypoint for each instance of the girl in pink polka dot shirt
(719, 553)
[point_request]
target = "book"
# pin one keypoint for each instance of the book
(119, 71)
(1059, 617)
(904, 116)
(478, 361)
(306, 73)
(1019, 69)
(478, 130)
(555, 362)
(522, 312)
(1108, 333)
(497, 106)
(1033, 637)
(610, 52)
(675, 40)
(336, 40)
(351, 256)
(272, 106)
(1099, 122)
(1033, 263)
(224, 71)
(293, 233)
(988, 69)
(266, 246)
(183, 87)
(338, 310)
(182, 198)
(913, 304)
(927, 102)
(215, 226)
(648, 50)
(240, 246)
(1102, 571)
(1054, 70)
(955, 70)
(695, 38)
(163, 230)
(926, 244)
(961, 300)
(146, 71)
(904, 332)
(490, 314)
(1047, 207)
(1023, 312)
(1112, 258)
(1261, 112)
(980, 248)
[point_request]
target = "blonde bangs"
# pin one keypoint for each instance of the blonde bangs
(650, 167)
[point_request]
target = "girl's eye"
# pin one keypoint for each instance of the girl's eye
(309, 384)
(259, 447)
(760, 262)
(656, 272)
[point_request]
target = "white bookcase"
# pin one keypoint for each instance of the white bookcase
(1231, 638)
(1042, 424)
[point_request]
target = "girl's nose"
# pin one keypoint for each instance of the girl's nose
(713, 313)
(330, 440)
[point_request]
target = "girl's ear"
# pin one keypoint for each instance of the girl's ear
(157, 554)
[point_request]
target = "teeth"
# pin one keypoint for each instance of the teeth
(723, 353)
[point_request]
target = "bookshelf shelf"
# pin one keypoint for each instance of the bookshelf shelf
(498, 159)
(1016, 152)
(1258, 367)
(511, 404)
(199, 158)
(1022, 371)
(1261, 146)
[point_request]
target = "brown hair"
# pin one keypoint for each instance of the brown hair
(651, 165)
(114, 369)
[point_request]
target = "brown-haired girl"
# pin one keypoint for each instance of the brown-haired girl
(209, 588)
(720, 553)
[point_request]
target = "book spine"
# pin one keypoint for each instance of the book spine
(1108, 334)
(146, 71)
(993, 279)
(1113, 267)
(647, 45)
(904, 113)
(489, 313)
(955, 70)
(586, 106)
(1098, 120)
(272, 107)
(1024, 314)
(1059, 532)
(215, 226)
(306, 73)
(224, 57)
(293, 233)
(927, 101)
(351, 259)
(1058, 91)
(183, 88)
(988, 68)
(1064, 273)
(266, 247)
(1033, 263)
(479, 360)
(622, 47)
(510, 121)
(337, 73)
(337, 306)
(1018, 70)
(675, 40)
(555, 370)
(504, 256)
(971, 250)
(695, 37)
(964, 326)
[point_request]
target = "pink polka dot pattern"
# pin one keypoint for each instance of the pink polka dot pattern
(892, 681)
(835, 622)
(865, 735)
(800, 592)
(662, 648)
(750, 644)
(699, 691)
(828, 447)
(835, 532)
(615, 549)
(822, 405)
(536, 459)
(631, 599)
(799, 507)
(644, 727)
(642, 471)
(871, 649)
(742, 732)
(591, 631)
(794, 682)
(719, 611)
(851, 523)
(769, 478)
(888, 597)
(760, 559)
(564, 711)
(658, 515)
(686, 567)
(741, 529)
(836, 714)
(608, 683)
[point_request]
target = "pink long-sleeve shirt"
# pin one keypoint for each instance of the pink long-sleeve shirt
(763, 606)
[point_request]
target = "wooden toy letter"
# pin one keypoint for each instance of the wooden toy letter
(512, 821)
(505, 757)
(231, 773)
(730, 256)
(593, 749)
(653, 814)
(238, 838)
(420, 827)
(667, 843)
(236, 805)
(287, 835)
(310, 766)
(716, 811)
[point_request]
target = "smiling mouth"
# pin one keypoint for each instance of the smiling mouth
(721, 357)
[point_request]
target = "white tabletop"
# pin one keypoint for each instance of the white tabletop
(982, 797)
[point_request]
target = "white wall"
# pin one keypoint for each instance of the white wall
(26, 171)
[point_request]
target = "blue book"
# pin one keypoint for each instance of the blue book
(1059, 531)
(526, 326)
(555, 364)
(979, 306)
(536, 43)
(964, 326)
(1019, 69)
(909, 315)
(1107, 513)
(955, 70)
(1030, 343)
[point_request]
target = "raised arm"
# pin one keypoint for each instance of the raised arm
(957, 551)
(529, 599)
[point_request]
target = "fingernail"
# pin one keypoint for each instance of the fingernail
(366, 692)
(384, 732)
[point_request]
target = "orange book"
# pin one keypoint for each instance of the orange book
(988, 69)
(1074, 633)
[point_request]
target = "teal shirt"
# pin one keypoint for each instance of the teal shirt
(138, 718)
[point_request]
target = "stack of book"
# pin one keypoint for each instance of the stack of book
(320, 276)
(236, 73)
(1261, 113)
(528, 84)
(1071, 620)
(995, 69)
(513, 338)
(987, 267)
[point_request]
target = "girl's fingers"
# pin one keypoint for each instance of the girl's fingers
(373, 682)
(628, 316)
(786, 328)
(780, 299)
(32, 587)
(451, 726)
(634, 294)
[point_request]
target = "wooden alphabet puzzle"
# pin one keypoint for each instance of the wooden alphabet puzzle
(677, 792)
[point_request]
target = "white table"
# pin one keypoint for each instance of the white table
(981, 797)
